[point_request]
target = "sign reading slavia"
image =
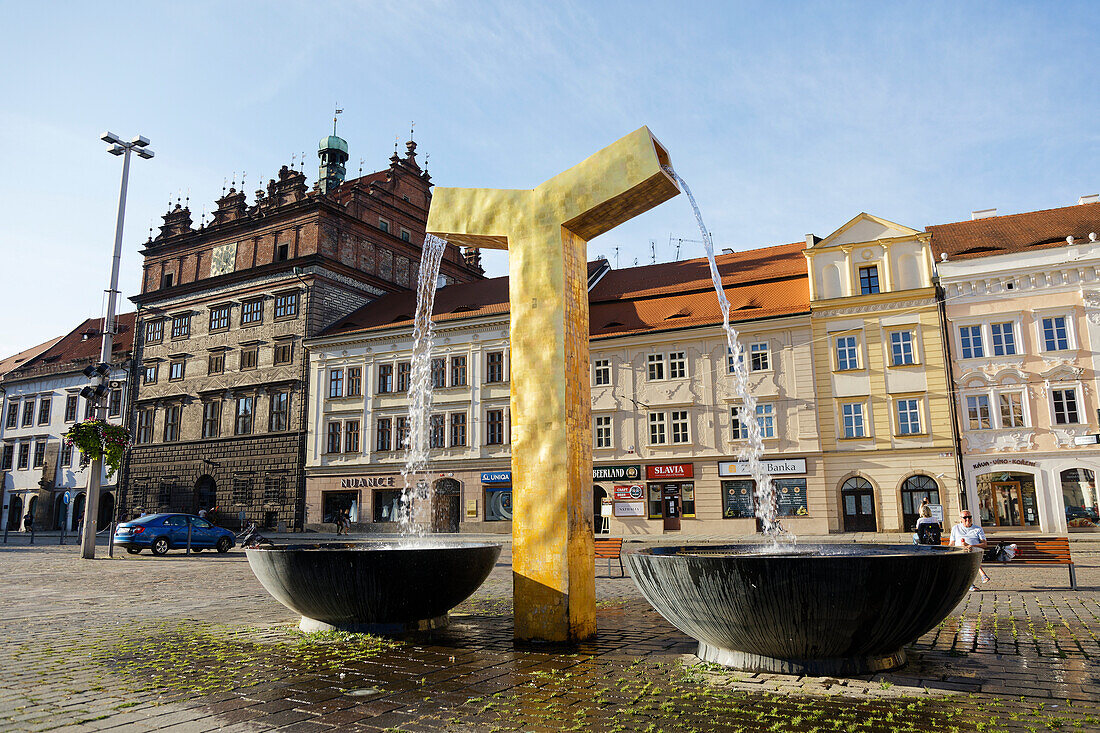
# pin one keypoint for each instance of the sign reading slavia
(773, 467)
(674, 470)
(496, 477)
(367, 482)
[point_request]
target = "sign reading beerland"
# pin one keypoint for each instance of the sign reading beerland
(773, 467)
(616, 473)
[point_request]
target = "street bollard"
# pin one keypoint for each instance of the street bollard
(111, 540)
(61, 540)
(32, 532)
(188, 537)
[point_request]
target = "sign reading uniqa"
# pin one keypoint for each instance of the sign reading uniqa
(367, 481)
(616, 473)
(496, 477)
(775, 468)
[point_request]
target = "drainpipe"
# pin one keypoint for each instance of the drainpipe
(951, 391)
(129, 416)
(303, 409)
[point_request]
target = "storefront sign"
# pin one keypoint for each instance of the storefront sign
(616, 473)
(674, 470)
(773, 467)
(496, 477)
(633, 492)
(605, 508)
(368, 482)
(630, 509)
(1005, 462)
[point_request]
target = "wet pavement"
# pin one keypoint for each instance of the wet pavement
(194, 643)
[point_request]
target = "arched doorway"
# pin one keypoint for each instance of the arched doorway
(106, 510)
(858, 499)
(59, 512)
(78, 511)
(32, 510)
(913, 491)
(445, 505)
(15, 512)
(598, 495)
(205, 494)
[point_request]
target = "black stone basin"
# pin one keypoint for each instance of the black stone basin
(809, 609)
(375, 586)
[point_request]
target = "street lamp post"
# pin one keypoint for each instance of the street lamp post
(137, 145)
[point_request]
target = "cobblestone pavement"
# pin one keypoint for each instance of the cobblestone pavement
(194, 643)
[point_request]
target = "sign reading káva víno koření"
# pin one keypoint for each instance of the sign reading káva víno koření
(773, 467)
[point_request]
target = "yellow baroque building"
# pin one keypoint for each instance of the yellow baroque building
(884, 413)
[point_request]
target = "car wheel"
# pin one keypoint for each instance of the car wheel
(160, 546)
(224, 545)
(133, 550)
(196, 550)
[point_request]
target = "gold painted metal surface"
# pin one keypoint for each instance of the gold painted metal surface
(546, 231)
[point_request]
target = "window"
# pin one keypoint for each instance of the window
(732, 361)
(405, 235)
(13, 412)
(385, 378)
(404, 371)
(89, 409)
(1004, 339)
(39, 453)
(494, 427)
(852, 418)
(655, 367)
(171, 423)
(901, 348)
(149, 376)
(908, 417)
(977, 412)
(1055, 335)
(284, 352)
(1065, 406)
(680, 426)
(166, 280)
(868, 280)
(603, 431)
(70, 411)
(765, 418)
(28, 412)
(114, 403)
(65, 459)
(181, 326)
(458, 429)
(242, 490)
(252, 312)
(250, 357)
(145, 425)
(970, 341)
(215, 363)
(602, 372)
(677, 365)
(44, 410)
(1012, 409)
(286, 305)
(9, 456)
(355, 382)
(282, 252)
(219, 318)
(401, 433)
(738, 430)
(336, 383)
(154, 332)
(759, 358)
(437, 426)
(244, 415)
(280, 411)
(273, 487)
(211, 419)
(351, 436)
(24, 455)
(458, 371)
(383, 225)
(175, 370)
(439, 372)
(847, 353)
(657, 434)
(333, 438)
(494, 366)
(383, 434)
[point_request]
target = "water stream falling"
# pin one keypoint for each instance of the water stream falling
(766, 503)
(417, 441)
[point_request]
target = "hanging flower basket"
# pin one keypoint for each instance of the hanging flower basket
(99, 439)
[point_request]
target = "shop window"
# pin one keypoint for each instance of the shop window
(687, 500)
(1007, 499)
(336, 503)
(653, 505)
(1079, 499)
(387, 505)
(498, 503)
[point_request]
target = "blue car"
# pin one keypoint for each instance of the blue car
(163, 532)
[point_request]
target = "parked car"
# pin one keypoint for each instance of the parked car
(163, 532)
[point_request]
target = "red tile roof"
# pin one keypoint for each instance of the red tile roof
(1030, 230)
(759, 283)
(82, 344)
(15, 360)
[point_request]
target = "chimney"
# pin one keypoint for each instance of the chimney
(982, 214)
(1091, 198)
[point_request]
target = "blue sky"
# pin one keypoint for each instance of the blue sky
(784, 118)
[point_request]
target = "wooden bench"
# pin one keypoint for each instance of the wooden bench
(1032, 550)
(610, 548)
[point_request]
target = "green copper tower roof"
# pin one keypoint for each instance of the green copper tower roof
(332, 142)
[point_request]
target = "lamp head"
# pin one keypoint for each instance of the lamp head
(117, 150)
(144, 153)
(139, 141)
(110, 138)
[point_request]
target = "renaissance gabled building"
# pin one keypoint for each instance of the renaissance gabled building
(221, 392)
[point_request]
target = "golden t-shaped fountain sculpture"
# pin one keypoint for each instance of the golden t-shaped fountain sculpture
(546, 231)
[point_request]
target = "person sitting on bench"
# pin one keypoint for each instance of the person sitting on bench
(928, 528)
(965, 534)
